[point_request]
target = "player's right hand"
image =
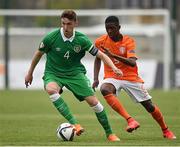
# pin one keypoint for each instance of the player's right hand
(95, 84)
(28, 80)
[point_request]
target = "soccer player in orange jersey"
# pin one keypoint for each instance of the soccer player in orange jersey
(121, 49)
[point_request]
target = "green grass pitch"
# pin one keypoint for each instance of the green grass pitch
(28, 118)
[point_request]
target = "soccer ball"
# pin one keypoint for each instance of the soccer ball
(65, 132)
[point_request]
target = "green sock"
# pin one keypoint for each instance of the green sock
(62, 107)
(102, 118)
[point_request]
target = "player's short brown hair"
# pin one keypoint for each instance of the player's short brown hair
(70, 14)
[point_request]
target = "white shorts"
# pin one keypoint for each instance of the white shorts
(135, 90)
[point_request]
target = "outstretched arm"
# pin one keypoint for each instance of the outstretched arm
(29, 77)
(129, 61)
(108, 61)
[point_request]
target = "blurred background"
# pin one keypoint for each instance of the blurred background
(153, 23)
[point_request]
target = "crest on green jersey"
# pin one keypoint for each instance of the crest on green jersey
(77, 48)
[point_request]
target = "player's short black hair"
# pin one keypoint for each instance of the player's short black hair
(112, 19)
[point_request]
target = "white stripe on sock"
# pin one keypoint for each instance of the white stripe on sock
(98, 108)
(54, 97)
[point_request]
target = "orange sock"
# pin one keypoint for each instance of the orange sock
(116, 105)
(157, 115)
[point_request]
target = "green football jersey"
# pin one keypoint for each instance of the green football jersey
(63, 57)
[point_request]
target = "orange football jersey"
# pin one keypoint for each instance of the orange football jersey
(124, 48)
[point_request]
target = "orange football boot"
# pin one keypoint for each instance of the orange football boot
(78, 129)
(113, 137)
(132, 125)
(168, 134)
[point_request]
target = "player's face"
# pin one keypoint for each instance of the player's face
(68, 26)
(112, 29)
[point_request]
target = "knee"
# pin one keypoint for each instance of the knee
(52, 88)
(105, 90)
(51, 91)
(148, 105)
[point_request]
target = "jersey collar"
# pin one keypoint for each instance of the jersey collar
(65, 38)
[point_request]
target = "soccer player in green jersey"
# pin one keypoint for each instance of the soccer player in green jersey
(64, 48)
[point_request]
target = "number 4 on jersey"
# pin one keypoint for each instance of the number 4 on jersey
(66, 55)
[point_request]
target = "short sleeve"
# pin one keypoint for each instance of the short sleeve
(87, 44)
(44, 46)
(99, 42)
(130, 44)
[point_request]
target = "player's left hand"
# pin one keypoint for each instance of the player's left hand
(107, 52)
(118, 72)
